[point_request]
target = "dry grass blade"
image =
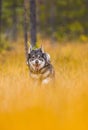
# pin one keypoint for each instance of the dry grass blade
(23, 105)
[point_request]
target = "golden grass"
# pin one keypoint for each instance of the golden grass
(24, 106)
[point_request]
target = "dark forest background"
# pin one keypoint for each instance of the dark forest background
(57, 19)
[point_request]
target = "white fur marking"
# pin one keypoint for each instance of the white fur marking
(32, 63)
(36, 76)
(46, 81)
(46, 73)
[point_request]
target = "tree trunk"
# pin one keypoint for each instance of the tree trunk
(14, 20)
(25, 29)
(52, 21)
(0, 18)
(33, 22)
(38, 16)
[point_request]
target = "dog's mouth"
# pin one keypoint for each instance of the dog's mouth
(37, 66)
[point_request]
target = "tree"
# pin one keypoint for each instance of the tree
(52, 21)
(14, 20)
(32, 22)
(25, 29)
(0, 17)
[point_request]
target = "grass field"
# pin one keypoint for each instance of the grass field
(61, 107)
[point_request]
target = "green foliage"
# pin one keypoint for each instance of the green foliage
(60, 18)
(76, 27)
(4, 44)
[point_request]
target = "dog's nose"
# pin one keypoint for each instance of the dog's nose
(36, 61)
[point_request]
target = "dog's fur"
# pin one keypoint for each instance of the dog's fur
(40, 66)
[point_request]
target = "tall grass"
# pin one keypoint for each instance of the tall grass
(24, 106)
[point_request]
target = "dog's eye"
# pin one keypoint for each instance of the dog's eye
(33, 56)
(39, 56)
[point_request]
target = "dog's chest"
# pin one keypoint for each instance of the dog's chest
(42, 75)
(35, 76)
(45, 75)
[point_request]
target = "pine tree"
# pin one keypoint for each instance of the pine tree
(0, 14)
(32, 22)
(14, 20)
(0, 18)
(25, 29)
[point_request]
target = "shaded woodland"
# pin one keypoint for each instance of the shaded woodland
(57, 19)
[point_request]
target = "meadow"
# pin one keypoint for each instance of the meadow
(64, 106)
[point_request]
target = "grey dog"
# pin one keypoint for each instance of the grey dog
(40, 65)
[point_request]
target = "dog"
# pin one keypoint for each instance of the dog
(40, 65)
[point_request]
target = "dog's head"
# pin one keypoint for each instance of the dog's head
(37, 58)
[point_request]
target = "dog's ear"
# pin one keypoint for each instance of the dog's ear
(28, 56)
(30, 49)
(42, 49)
(48, 57)
(27, 63)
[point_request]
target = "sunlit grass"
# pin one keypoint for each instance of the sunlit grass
(23, 105)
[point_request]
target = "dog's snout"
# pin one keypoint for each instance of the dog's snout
(36, 61)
